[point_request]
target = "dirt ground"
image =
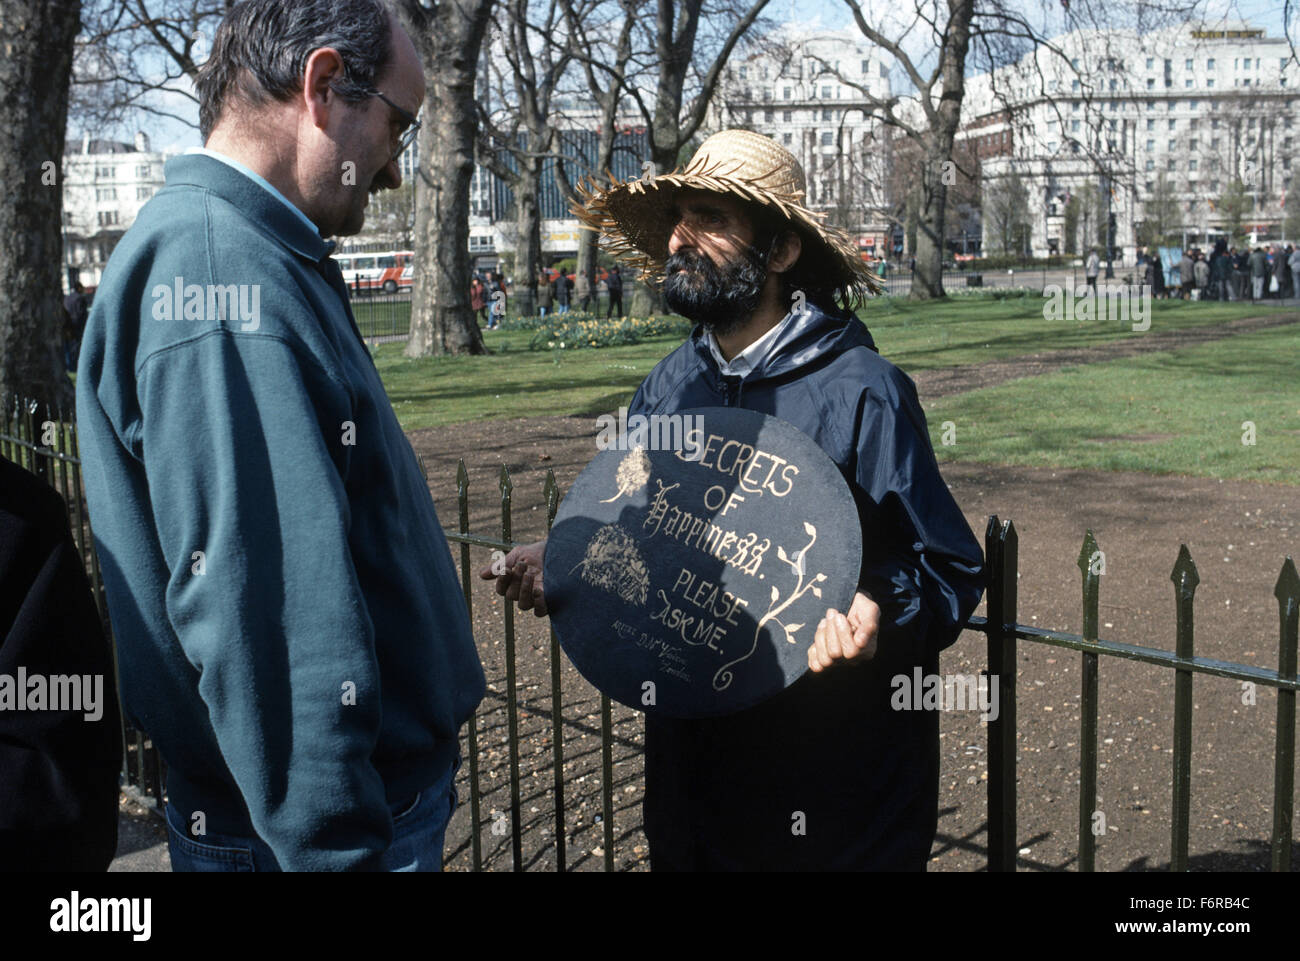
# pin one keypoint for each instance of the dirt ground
(1238, 535)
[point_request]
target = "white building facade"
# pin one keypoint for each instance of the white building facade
(105, 183)
(806, 93)
(1197, 107)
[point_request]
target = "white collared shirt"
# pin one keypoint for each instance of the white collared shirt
(257, 179)
(751, 356)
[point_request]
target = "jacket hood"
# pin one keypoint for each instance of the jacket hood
(814, 333)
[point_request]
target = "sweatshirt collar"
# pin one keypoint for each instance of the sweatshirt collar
(253, 196)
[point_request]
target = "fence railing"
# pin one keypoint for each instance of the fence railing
(44, 441)
(47, 446)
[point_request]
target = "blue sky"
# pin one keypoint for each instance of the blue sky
(830, 13)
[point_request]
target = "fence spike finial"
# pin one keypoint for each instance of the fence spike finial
(1088, 554)
(1184, 574)
(1288, 584)
(507, 484)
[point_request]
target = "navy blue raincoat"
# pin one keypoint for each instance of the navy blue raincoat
(825, 775)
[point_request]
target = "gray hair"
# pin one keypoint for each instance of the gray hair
(262, 46)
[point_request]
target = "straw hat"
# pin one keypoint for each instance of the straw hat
(635, 218)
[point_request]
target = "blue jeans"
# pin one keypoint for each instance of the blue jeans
(419, 827)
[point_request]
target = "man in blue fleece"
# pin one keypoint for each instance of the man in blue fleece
(290, 628)
(826, 775)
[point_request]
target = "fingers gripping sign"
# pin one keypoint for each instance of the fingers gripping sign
(847, 638)
(518, 576)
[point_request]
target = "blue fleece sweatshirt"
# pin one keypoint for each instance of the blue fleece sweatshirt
(290, 627)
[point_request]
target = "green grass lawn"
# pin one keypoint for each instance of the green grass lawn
(1179, 411)
(517, 382)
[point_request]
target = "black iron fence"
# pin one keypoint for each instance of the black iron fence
(46, 444)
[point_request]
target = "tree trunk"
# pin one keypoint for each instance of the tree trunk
(528, 231)
(449, 40)
(34, 74)
(927, 283)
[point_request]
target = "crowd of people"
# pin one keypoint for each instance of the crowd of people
(1228, 273)
(556, 290)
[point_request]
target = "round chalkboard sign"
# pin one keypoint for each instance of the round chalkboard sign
(691, 561)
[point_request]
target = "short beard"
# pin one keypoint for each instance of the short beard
(720, 299)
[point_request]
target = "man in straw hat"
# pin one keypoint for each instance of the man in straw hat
(826, 775)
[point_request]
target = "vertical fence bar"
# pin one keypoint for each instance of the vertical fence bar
(607, 777)
(1185, 580)
(512, 695)
(1092, 562)
(462, 502)
(1000, 548)
(552, 494)
(1287, 593)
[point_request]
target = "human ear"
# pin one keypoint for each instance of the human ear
(789, 246)
(323, 68)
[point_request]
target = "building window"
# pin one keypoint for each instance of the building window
(1074, 106)
(828, 138)
(143, 193)
(108, 218)
(1193, 144)
(785, 93)
(1151, 84)
(1173, 125)
(1151, 145)
(1187, 83)
(1191, 165)
(1210, 82)
(826, 93)
(1151, 62)
(1112, 125)
(1151, 105)
(1214, 143)
(143, 170)
(1173, 144)
(1074, 84)
(1171, 105)
(1151, 186)
(1151, 165)
(1173, 165)
(1188, 64)
(788, 115)
(1074, 125)
(1209, 64)
(1151, 124)
(787, 138)
(865, 67)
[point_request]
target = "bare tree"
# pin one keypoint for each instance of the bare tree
(607, 70)
(34, 77)
(449, 37)
(133, 56)
(534, 51)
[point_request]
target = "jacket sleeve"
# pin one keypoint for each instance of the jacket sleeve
(58, 768)
(920, 563)
(244, 448)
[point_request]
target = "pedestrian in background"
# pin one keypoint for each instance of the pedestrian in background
(75, 312)
(582, 289)
(1202, 274)
(1092, 268)
(478, 299)
(1294, 263)
(1258, 273)
(614, 284)
(545, 295)
(562, 287)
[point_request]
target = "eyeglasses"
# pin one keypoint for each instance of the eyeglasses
(412, 125)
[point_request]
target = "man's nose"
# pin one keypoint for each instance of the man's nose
(682, 236)
(390, 178)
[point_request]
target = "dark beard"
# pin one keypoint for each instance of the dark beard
(720, 299)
